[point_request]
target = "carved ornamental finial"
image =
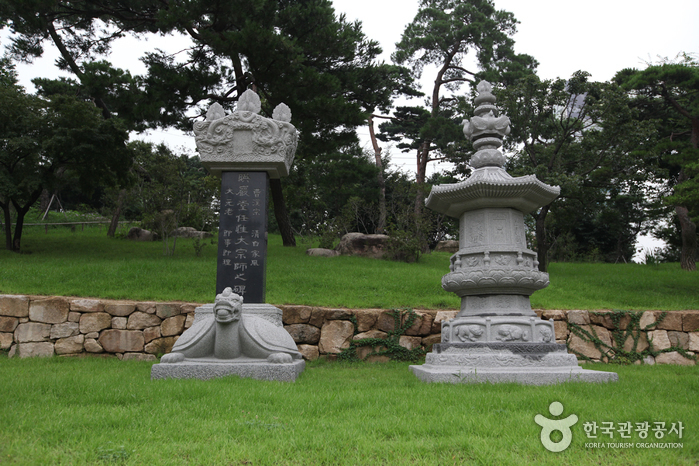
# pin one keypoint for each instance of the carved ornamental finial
(249, 101)
(282, 112)
(215, 112)
(486, 129)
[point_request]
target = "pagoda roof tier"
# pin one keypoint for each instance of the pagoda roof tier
(491, 187)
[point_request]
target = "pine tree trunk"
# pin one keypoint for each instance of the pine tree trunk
(281, 214)
(8, 225)
(689, 239)
(117, 213)
(381, 227)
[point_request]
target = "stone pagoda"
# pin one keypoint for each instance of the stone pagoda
(496, 337)
(240, 334)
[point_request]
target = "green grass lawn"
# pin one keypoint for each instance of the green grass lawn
(101, 411)
(87, 263)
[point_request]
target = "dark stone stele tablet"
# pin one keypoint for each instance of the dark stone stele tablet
(242, 237)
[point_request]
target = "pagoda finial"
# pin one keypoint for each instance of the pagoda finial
(486, 129)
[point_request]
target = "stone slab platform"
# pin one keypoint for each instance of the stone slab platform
(204, 370)
(526, 376)
(525, 363)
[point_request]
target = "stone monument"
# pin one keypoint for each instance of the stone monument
(240, 334)
(496, 337)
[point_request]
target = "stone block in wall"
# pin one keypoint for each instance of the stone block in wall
(64, 330)
(335, 336)
(678, 339)
(337, 314)
(140, 320)
(146, 306)
(303, 333)
(693, 344)
(173, 325)
(409, 342)
(386, 321)
(32, 331)
(42, 349)
(671, 321)
(94, 335)
(120, 322)
(189, 321)
(422, 325)
(365, 352)
(578, 317)
(366, 319)
(659, 340)
(14, 306)
(428, 341)
(642, 344)
(92, 346)
(309, 352)
(70, 345)
(122, 341)
(442, 316)
(560, 328)
(370, 334)
(673, 357)
(165, 310)
(690, 321)
(151, 333)
(138, 357)
(86, 305)
(648, 318)
(120, 308)
(317, 317)
(74, 316)
(8, 324)
(6, 340)
(161, 345)
(95, 322)
(554, 314)
(49, 310)
(296, 314)
(584, 346)
(605, 320)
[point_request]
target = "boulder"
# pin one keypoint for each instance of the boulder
(94, 322)
(554, 314)
(450, 246)
(335, 336)
(303, 333)
(693, 343)
(165, 310)
(189, 232)
(92, 346)
(386, 321)
(359, 244)
(647, 319)
(690, 321)
(442, 316)
(321, 252)
(422, 325)
(122, 341)
(579, 317)
(120, 322)
(427, 342)
(366, 319)
(49, 310)
(409, 342)
(678, 339)
(139, 234)
(560, 327)
(587, 348)
(370, 334)
(671, 321)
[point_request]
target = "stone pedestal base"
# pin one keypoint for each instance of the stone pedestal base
(526, 363)
(205, 369)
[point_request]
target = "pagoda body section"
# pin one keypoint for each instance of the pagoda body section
(496, 336)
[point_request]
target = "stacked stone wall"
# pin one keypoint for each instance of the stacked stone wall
(47, 326)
